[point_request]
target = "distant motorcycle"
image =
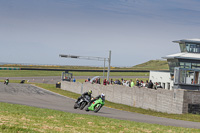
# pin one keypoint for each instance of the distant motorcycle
(6, 81)
(82, 102)
(96, 105)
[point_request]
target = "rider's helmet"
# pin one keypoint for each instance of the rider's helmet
(103, 96)
(90, 92)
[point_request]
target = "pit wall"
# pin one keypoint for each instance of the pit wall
(161, 100)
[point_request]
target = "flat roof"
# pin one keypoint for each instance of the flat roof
(194, 56)
(197, 40)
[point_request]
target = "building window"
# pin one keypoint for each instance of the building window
(195, 65)
(185, 65)
(188, 65)
(186, 77)
(182, 47)
(176, 72)
(172, 63)
(190, 48)
(182, 77)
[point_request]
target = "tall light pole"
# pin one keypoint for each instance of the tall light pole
(109, 61)
(92, 58)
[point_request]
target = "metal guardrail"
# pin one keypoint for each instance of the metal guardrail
(10, 68)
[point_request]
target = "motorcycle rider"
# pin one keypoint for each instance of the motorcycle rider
(84, 94)
(102, 96)
(6, 81)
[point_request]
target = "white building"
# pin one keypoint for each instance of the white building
(184, 67)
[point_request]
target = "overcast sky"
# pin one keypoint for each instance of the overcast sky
(136, 31)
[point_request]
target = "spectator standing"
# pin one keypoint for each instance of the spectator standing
(117, 82)
(155, 86)
(99, 82)
(132, 83)
(137, 82)
(107, 82)
(150, 84)
(146, 84)
(96, 80)
(122, 81)
(104, 82)
(111, 81)
(193, 82)
(74, 80)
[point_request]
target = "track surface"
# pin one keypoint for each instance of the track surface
(33, 96)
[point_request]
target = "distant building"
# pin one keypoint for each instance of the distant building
(184, 67)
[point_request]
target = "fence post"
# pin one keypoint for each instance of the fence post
(82, 88)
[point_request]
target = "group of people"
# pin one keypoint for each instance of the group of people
(140, 83)
(98, 81)
(129, 83)
(149, 84)
(87, 80)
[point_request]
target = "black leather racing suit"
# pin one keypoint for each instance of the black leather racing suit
(83, 95)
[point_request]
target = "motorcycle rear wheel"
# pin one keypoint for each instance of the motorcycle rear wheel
(87, 109)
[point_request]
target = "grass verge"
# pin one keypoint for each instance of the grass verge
(20, 118)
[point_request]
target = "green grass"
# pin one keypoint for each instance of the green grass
(150, 65)
(27, 73)
(20, 118)
(186, 117)
(153, 65)
(33, 73)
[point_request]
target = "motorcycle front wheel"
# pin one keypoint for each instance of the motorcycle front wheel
(83, 104)
(97, 108)
(75, 106)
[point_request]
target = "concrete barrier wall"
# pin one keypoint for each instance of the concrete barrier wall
(170, 101)
(191, 97)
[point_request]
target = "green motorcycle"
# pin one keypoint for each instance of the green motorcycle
(6, 81)
(96, 105)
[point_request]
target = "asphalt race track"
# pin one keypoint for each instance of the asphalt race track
(33, 96)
